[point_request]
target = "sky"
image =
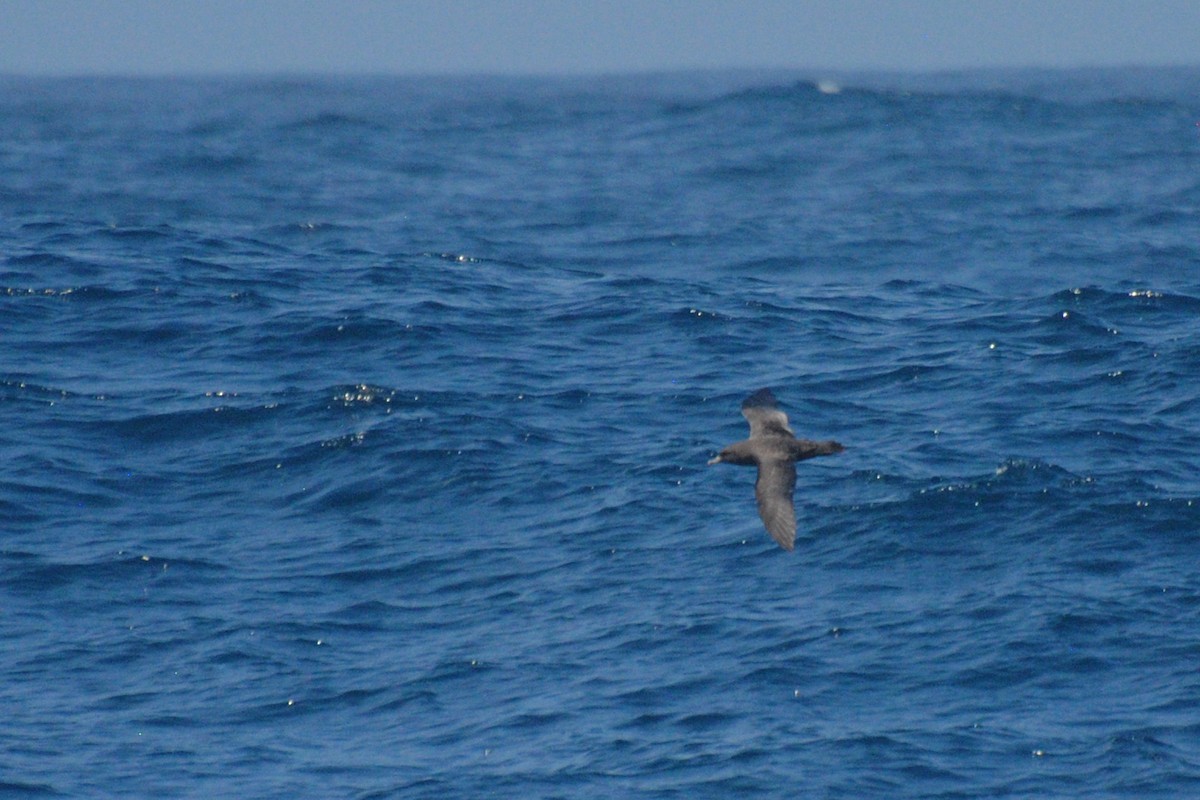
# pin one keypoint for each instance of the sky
(555, 37)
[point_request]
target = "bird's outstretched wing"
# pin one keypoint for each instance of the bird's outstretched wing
(764, 416)
(773, 490)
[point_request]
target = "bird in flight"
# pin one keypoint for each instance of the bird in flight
(774, 449)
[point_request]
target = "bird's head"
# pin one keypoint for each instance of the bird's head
(738, 453)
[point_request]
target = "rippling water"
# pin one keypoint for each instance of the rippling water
(356, 434)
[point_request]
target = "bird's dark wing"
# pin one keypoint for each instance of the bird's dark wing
(773, 490)
(764, 416)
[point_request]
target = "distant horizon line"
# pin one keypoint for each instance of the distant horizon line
(817, 73)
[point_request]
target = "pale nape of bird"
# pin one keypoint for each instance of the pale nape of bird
(774, 449)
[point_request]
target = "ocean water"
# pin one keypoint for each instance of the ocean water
(355, 434)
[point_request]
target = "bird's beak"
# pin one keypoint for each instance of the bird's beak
(716, 460)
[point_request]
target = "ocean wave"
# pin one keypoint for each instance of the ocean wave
(372, 416)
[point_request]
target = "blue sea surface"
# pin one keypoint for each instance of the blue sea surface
(355, 435)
